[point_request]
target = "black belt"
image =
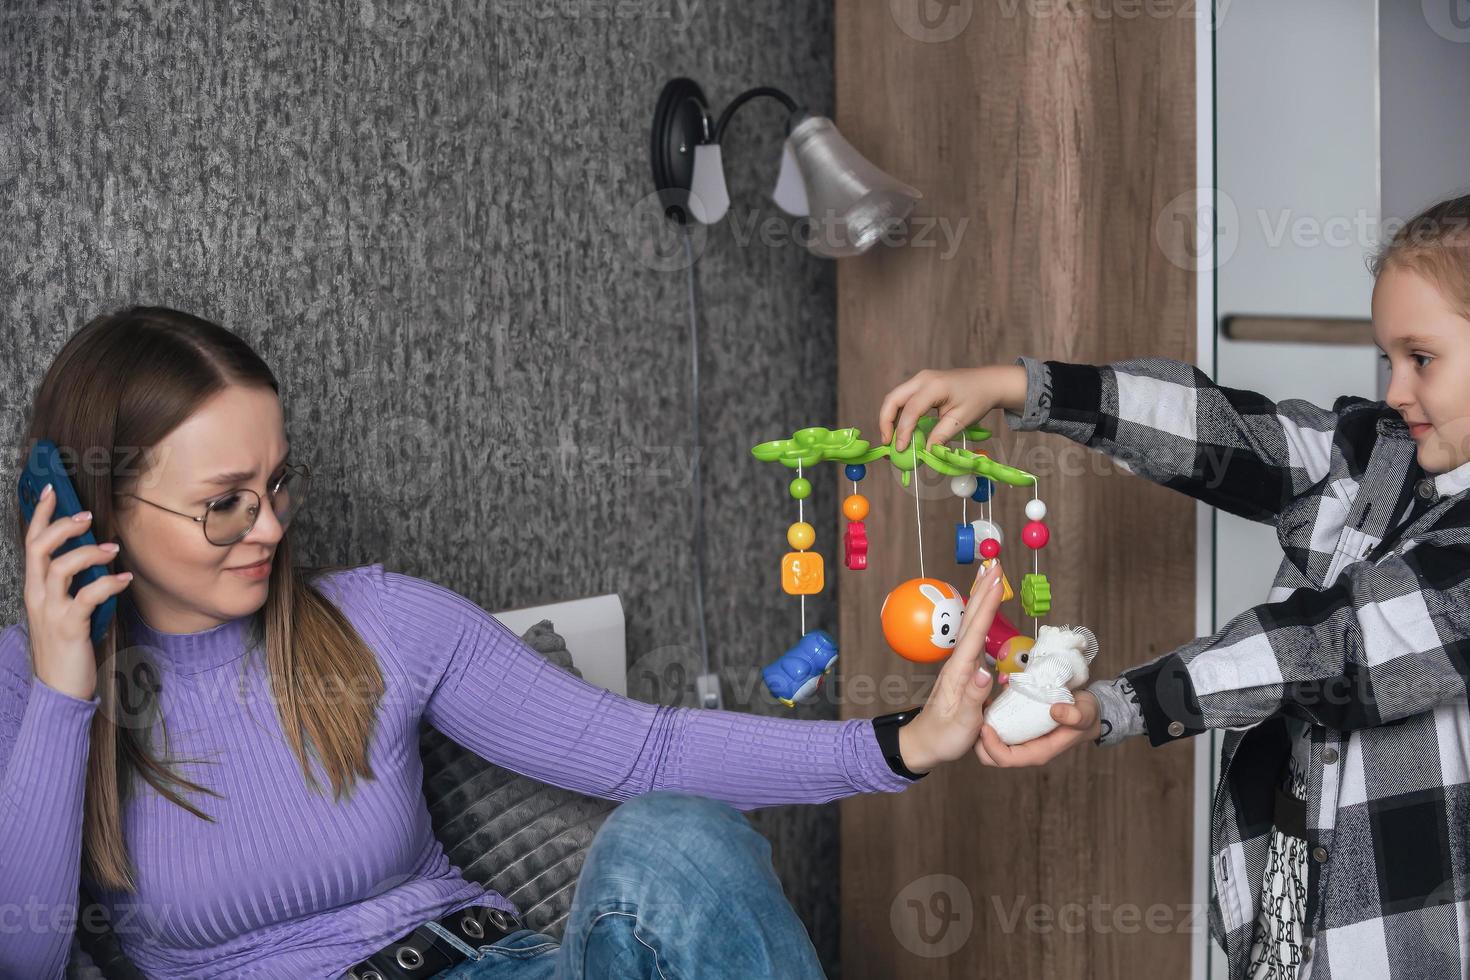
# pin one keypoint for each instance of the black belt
(423, 952)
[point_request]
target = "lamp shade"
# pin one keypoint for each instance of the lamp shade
(852, 203)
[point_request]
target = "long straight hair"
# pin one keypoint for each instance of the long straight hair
(121, 384)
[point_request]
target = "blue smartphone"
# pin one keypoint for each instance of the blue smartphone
(45, 466)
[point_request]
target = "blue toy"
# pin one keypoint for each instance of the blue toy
(800, 670)
(964, 544)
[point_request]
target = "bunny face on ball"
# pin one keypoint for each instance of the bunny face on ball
(921, 619)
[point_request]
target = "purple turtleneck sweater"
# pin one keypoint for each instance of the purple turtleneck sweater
(288, 883)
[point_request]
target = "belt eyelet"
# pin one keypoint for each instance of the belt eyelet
(472, 927)
(409, 958)
(501, 920)
(371, 975)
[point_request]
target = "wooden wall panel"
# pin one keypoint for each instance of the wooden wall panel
(1048, 140)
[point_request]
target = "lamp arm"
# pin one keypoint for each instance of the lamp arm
(745, 97)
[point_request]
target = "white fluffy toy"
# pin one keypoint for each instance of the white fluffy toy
(1055, 667)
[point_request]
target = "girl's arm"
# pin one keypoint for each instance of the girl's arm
(45, 737)
(1385, 641)
(491, 693)
(1168, 422)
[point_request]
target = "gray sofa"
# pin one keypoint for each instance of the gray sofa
(522, 838)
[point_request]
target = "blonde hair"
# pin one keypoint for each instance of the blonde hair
(1435, 243)
(117, 388)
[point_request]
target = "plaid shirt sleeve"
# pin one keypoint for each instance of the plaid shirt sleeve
(1166, 421)
(1120, 712)
(1385, 641)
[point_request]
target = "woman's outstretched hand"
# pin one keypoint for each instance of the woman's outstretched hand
(1077, 723)
(950, 723)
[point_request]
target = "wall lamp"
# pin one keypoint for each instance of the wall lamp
(850, 202)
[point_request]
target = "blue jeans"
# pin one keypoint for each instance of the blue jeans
(673, 886)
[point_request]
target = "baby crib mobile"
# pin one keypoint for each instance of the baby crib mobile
(920, 617)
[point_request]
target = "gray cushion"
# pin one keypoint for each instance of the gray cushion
(523, 838)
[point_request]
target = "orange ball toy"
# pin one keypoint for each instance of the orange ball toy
(921, 619)
(855, 507)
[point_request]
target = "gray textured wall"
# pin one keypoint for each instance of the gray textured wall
(426, 216)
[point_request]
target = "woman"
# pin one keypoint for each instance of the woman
(218, 849)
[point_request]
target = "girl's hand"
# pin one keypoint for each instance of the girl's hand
(963, 396)
(1080, 722)
(59, 624)
(950, 723)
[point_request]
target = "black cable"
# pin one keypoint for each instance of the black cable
(698, 491)
(745, 97)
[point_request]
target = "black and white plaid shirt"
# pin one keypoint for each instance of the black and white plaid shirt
(1365, 635)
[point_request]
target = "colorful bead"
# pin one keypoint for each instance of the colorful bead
(801, 488)
(1035, 535)
(988, 529)
(855, 546)
(801, 535)
(1035, 510)
(855, 471)
(855, 507)
(1035, 595)
(989, 548)
(962, 486)
(984, 487)
(964, 544)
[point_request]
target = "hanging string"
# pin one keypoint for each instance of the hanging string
(965, 500)
(1035, 562)
(799, 516)
(918, 517)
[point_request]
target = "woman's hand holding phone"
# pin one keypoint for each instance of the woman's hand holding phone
(59, 624)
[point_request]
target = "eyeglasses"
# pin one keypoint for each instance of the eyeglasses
(229, 518)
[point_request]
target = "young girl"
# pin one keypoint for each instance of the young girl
(1338, 833)
(220, 852)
